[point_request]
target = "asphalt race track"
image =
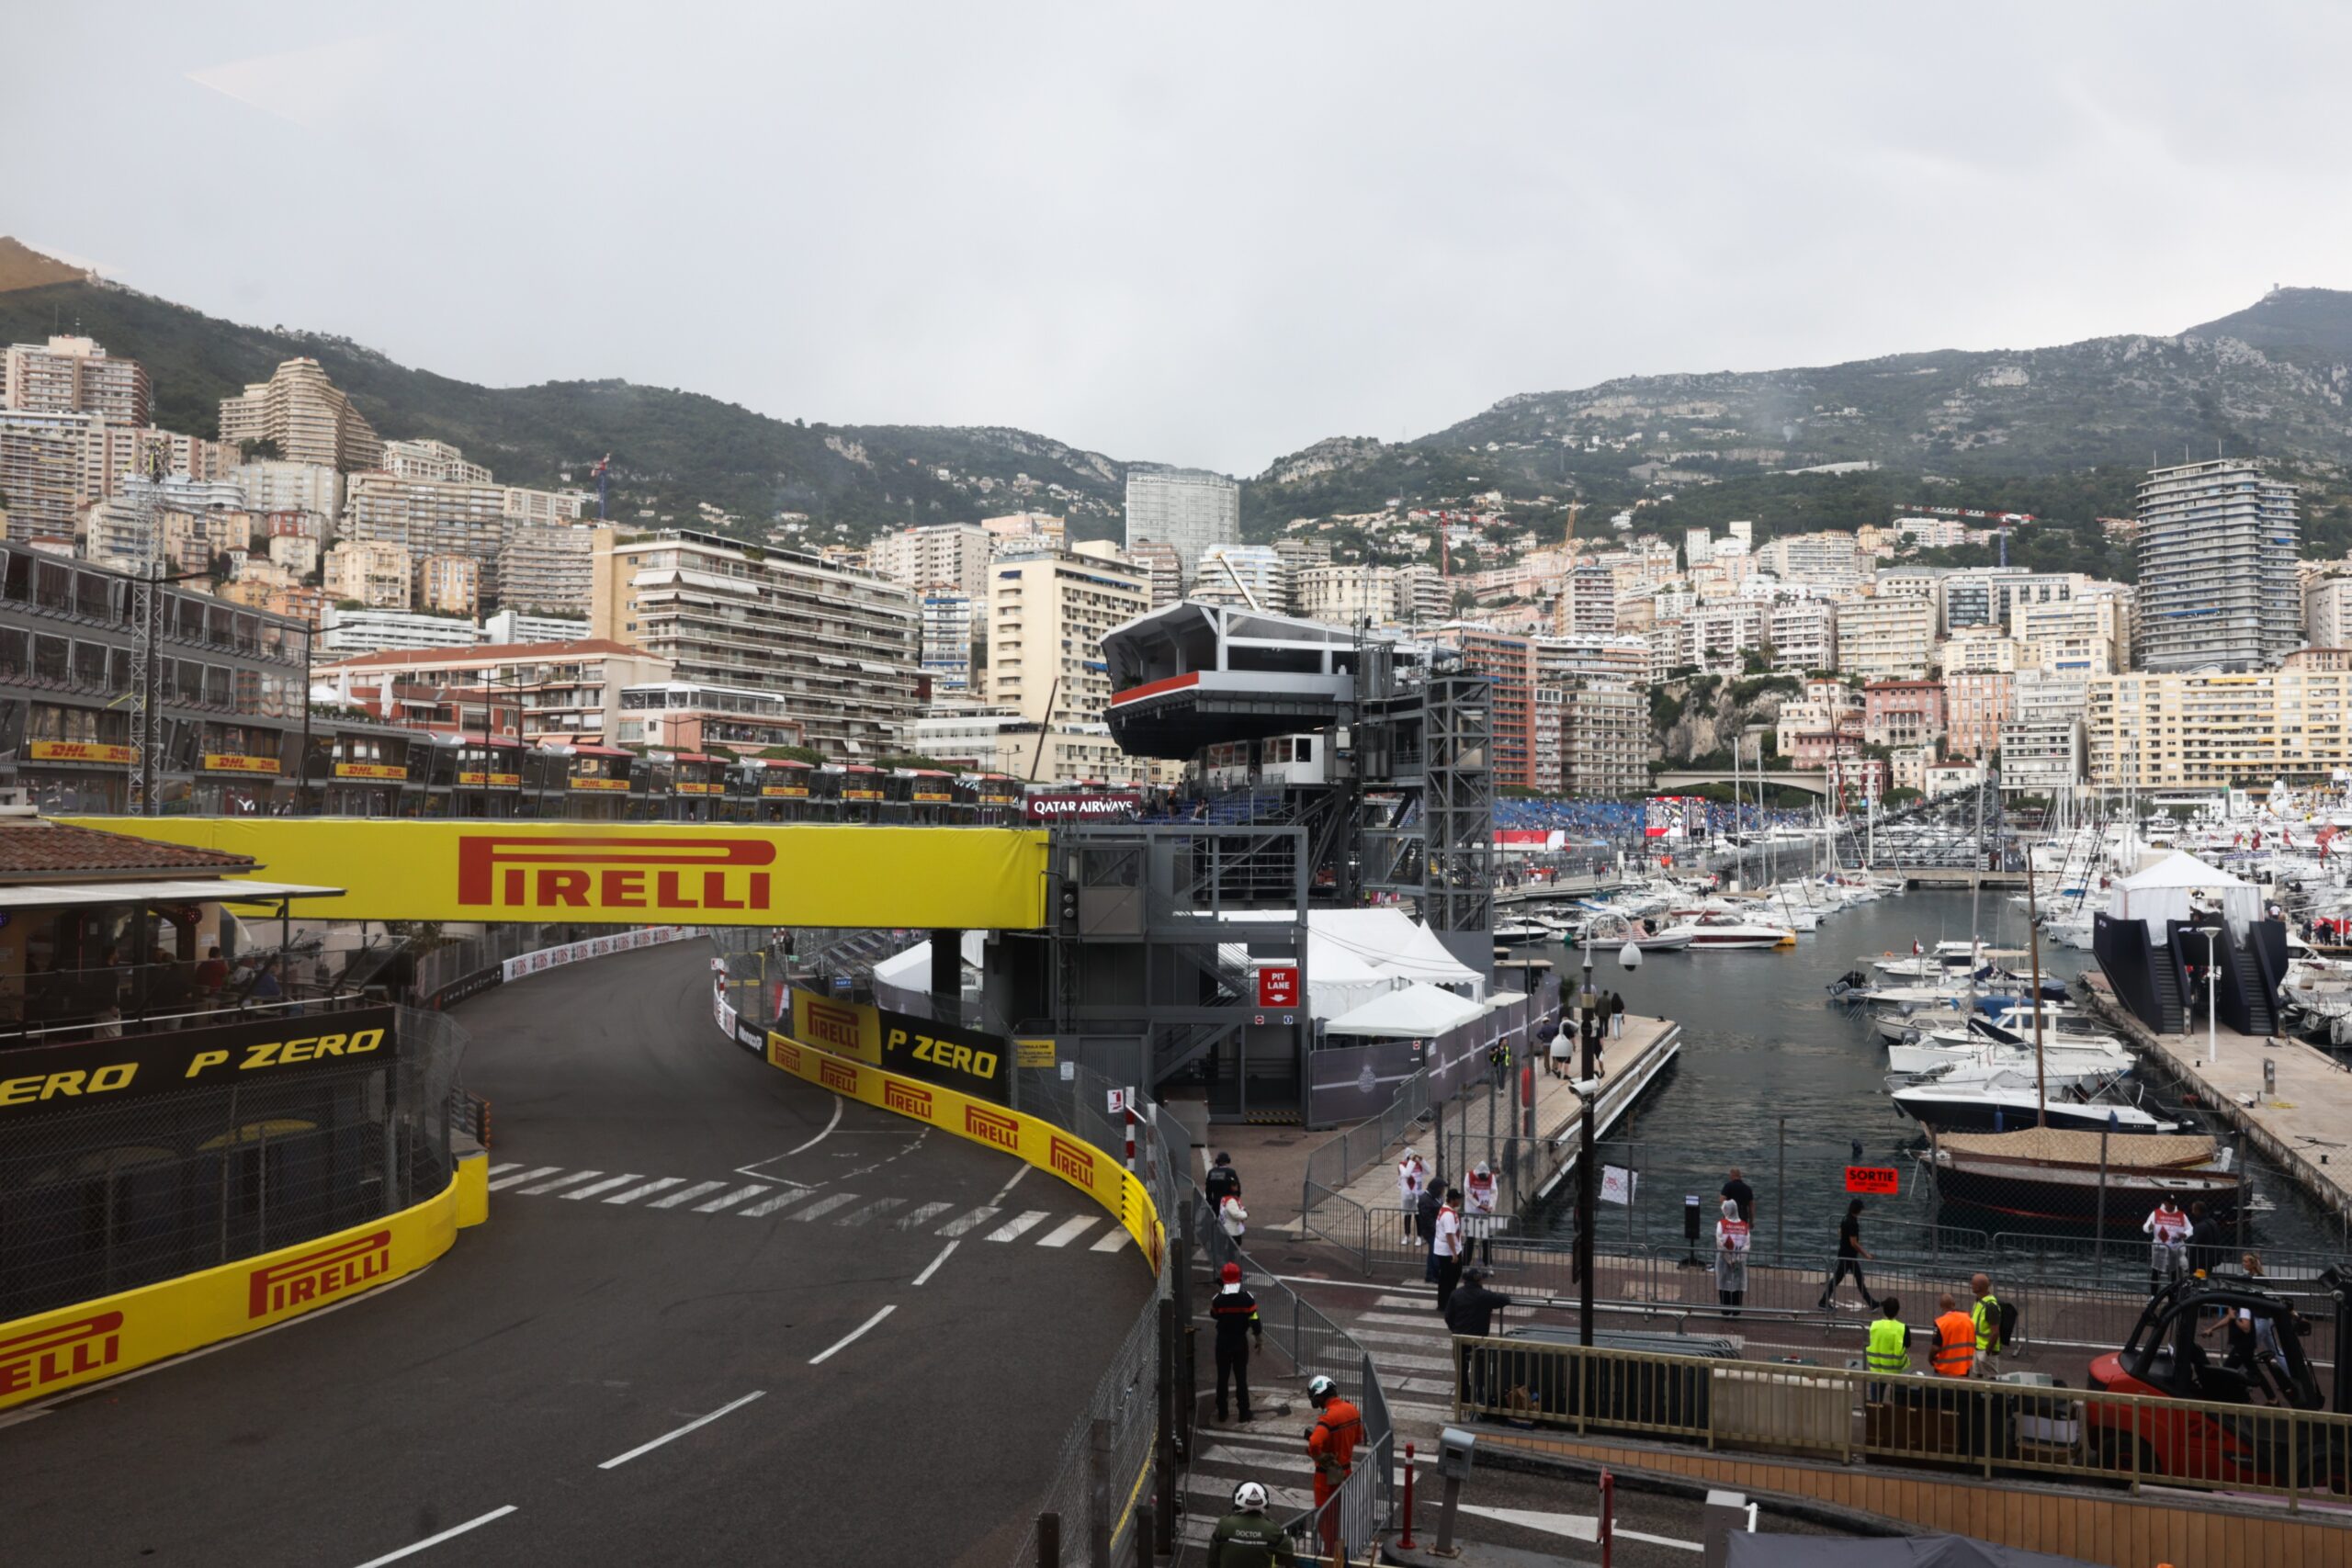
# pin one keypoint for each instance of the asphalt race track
(678, 1230)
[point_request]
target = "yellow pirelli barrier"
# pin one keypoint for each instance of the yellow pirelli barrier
(91, 1340)
(697, 874)
(1039, 1142)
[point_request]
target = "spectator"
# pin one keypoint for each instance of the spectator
(1850, 1254)
(1412, 1180)
(1471, 1315)
(1731, 1259)
(1233, 1219)
(213, 973)
(1223, 1181)
(1447, 1248)
(1425, 1211)
(266, 988)
(1616, 1016)
(1736, 1188)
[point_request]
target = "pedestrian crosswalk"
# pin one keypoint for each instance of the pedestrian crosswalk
(802, 1205)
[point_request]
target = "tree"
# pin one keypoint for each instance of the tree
(792, 754)
(1901, 794)
(261, 449)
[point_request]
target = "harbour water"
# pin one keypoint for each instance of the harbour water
(1776, 1080)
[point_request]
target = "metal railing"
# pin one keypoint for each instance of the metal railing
(1987, 1428)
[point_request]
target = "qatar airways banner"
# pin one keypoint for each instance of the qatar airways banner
(1116, 806)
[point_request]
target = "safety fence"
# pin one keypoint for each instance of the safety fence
(102, 1196)
(1989, 1428)
(456, 967)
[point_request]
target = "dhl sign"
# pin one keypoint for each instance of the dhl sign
(315, 1276)
(784, 792)
(600, 783)
(932, 798)
(52, 1352)
(697, 786)
(1091, 1170)
(852, 875)
(380, 772)
(494, 781)
(79, 751)
(230, 763)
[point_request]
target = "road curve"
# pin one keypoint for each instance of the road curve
(601, 1309)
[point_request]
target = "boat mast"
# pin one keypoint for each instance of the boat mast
(2041, 1071)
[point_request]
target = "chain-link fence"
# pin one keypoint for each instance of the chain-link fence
(98, 1197)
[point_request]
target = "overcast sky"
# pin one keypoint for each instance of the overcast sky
(1192, 233)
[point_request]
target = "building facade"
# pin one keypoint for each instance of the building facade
(1188, 508)
(566, 690)
(306, 417)
(2213, 729)
(1045, 621)
(2217, 544)
(1886, 637)
(74, 375)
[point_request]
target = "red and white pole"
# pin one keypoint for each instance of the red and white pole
(1404, 1540)
(1128, 1100)
(1607, 1515)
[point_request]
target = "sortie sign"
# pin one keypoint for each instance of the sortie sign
(1883, 1179)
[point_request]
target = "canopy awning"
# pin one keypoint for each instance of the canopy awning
(226, 890)
(1411, 1013)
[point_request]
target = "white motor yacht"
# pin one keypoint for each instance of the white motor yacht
(1727, 932)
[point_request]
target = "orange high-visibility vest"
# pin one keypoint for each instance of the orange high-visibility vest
(1955, 1343)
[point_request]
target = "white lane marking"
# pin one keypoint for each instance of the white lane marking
(733, 1198)
(606, 1184)
(1027, 1220)
(1010, 1185)
(1576, 1527)
(972, 1221)
(437, 1539)
(562, 1182)
(830, 1125)
(853, 1337)
(634, 1194)
(1069, 1230)
(871, 1213)
(822, 1207)
(1112, 1243)
(527, 1176)
(770, 1205)
(510, 1165)
(921, 1216)
(673, 1437)
(933, 1267)
(688, 1196)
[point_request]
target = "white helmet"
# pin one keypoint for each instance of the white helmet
(1320, 1389)
(1249, 1497)
(1483, 1170)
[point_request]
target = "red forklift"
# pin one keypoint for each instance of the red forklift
(2166, 1356)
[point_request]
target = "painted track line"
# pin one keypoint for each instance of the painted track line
(853, 1337)
(1112, 1243)
(1011, 1185)
(731, 1198)
(1027, 1219)
(838, 1103)
(502, 1169)
(871, 1213)
(921, 1216)
(933, 1267)
(819, 1209)
(1069, 1230)
(700, 1190)
(527, 1176)
(562, 1182)
(972, 1221)
(770, 1205)
(673, 1437)
(436, 1540)
(634, 1194)
(606, 1184)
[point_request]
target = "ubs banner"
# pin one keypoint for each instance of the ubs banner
(105, 1072)
(954, 1058)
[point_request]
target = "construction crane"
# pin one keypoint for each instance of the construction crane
(603, 468)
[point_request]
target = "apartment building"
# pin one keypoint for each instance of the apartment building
(547, 569)
(2217, 544)
(2211, 728)
(428, 517)
(993, 740)
(513, 626)
(112, 453)
(306, 415)
(843, 648)
(952, 555)
(687, 716)
(1604, 739)
(1888, 637)
(343, 632)
(373, 575)
(1716, 633)
(312, 488)
(1826, 559)
(1348, 595)
(74, 375)
(1977, 702)
(1163, 569)
(1045, 621)
(294, 602)
(451, 584)
(1903, 713)
(1188, 508)
(1803, 635)
(566, 690)
(1588, 602)
(435, 460)
(1509, 664)
(1251, 575)
(1825, 722)
(44, 472)
(1424, 596)
(2088, 635)
(1978, 648)
(1990, 595)
(949, 617)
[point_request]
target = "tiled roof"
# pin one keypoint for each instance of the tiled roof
(35, 851)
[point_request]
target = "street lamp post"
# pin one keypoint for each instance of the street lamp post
(2213, 1003)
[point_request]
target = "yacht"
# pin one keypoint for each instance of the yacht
(1729, 932)
(2005, 1098)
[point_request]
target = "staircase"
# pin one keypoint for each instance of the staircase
(2166, 962)
(2245, 975)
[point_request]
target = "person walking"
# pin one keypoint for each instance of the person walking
(1331, 1449)
(2168, 1233)
(1731, 1259)
(1889, 1354)
(1478, 1212)
(1736, 1188)
(1850, 1254)
(1955, 1351)
(1235, 1313)
(1616, 1016)
(1233, 1219)
(1222, 1182)
(1447, 1248)
(1561, 1054)
(1426, 1217)
(1246, 1537)
(1412, 1179)
(1471, 1315)
(1991, 1335)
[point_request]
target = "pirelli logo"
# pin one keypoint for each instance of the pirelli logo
(316, 1276)
(905, 1099)
(1072, 1161)
(832, 1026)
(992, 1127)
(783, 1052)
(60, 1352)
(497, 871)
(839, 1077)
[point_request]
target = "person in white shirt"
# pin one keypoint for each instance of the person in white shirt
(2168, 1233)
(1478, 1212)
(1234, 1221)
(1449, 1246)
(1413, 1175)
(1731, 1259)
